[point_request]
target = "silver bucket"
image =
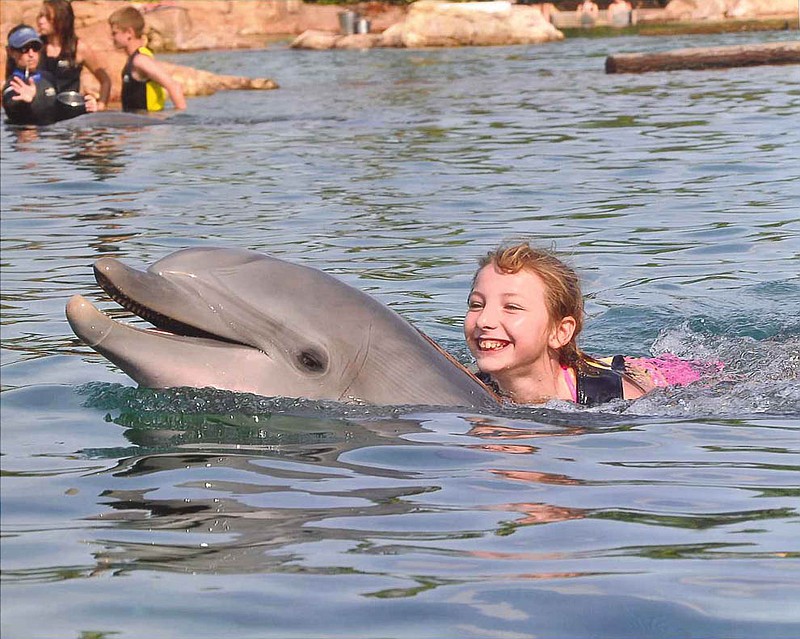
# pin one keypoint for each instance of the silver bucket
(362, 26)
(347, 22)
(70, 104)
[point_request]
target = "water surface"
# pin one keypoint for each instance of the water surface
(182, 513)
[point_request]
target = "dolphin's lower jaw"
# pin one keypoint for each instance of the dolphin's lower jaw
(188, 361)
(240, 321)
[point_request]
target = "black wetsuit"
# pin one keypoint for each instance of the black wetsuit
(597, 382)
(138, 95)
(65, 72)
(43, 109)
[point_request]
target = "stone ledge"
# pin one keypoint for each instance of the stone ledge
(431, 23)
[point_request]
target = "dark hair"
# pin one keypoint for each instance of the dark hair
(10, 64)
(64, 25)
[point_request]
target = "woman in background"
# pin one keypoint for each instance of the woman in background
(64, 55)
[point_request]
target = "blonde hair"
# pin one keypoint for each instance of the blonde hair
(563, 295)
(128, 18)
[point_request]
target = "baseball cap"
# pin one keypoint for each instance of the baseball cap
(22, 36)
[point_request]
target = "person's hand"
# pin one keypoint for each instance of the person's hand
(101, 106)
(91, 103)
(26, 91)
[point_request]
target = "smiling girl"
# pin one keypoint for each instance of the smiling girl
(524, 315)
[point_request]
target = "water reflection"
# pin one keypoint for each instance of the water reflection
(23, 137)
(102, 151)
(232, 528)
(254, 489)
(243, 511)
(675, 515)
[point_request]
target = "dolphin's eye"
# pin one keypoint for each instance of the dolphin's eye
(312, 361)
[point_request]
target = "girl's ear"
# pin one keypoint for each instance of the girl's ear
(562, 332)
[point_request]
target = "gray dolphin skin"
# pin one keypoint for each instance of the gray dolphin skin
(238, 320)
(115, 119)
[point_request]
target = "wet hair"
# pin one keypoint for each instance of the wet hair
(563, 295)
(63, 19)
(11, 65)
(128, 18)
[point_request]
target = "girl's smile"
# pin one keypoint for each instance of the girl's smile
(507, 326)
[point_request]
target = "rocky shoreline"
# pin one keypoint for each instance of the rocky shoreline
(191, 25)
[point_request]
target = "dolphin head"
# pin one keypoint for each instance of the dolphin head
(242, 321)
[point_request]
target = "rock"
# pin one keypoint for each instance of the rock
(393, 36)
(197, 82)
(315, 39)
(693, 10)
(193, 81)
(759, 9)
(169, 28)
(440, 24)
(322, 40)
(359, 41)
(704, 10)
(430, 23)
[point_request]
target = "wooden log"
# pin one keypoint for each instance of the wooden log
(705, 58)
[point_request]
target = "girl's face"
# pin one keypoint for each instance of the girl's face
(45, 24)
(27, 58)
(507, 326)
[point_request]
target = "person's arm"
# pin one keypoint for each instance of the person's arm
(26, 102)
(16, 110)
(632, 390)
(151, 69)
(89, 57)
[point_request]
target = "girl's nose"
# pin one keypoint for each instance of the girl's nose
(487, 318)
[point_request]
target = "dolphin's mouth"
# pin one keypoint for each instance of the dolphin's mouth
(158, 320)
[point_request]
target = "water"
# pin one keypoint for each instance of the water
(128, 512)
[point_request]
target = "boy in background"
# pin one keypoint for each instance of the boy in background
(144, 80)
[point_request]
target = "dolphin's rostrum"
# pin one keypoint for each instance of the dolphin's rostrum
(242, 321)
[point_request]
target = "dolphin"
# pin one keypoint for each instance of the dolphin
(115, 119)
(238, 320)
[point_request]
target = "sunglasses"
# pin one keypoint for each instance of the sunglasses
(36, 46)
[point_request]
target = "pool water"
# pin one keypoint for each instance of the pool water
(191, 513)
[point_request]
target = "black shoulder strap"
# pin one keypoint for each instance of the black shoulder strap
(598, 383)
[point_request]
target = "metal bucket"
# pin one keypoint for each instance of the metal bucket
(71, 99)
(70, 104)
(347, 22)
(362, 26)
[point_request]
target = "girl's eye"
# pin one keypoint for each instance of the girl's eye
(474, 306)
(513, 307)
